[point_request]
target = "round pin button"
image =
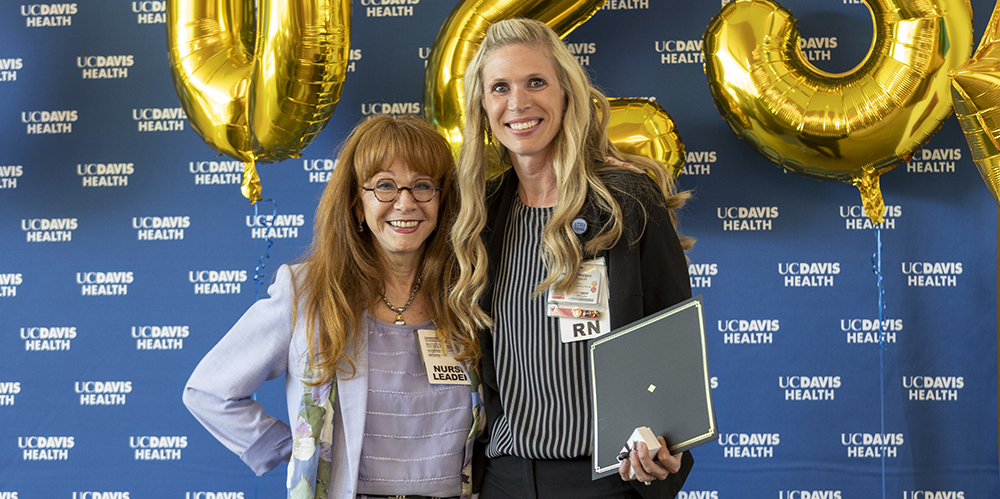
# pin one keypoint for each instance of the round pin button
(579, 226)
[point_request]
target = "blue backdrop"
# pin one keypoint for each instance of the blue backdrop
(127, 251)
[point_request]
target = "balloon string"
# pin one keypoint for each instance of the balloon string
(258, 272)
(877, 268)
(258, 275)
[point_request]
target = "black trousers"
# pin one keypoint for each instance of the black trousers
(509, 477)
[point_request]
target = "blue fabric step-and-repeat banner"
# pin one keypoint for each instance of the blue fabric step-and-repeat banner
(127, 251)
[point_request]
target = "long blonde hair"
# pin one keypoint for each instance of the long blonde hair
(580, 148)
(343, 271)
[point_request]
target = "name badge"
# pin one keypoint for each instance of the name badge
(439, 360)
(583, 312)
(589, 281)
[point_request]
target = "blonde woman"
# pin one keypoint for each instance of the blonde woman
(559, 197)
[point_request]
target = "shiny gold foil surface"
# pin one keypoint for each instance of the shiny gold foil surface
(976, 93)
(642, 127)
(837, 126)
(258, 80)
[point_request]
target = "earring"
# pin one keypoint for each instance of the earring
(361, 226)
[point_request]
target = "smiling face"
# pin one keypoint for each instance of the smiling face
(401, 227)
(523, 101)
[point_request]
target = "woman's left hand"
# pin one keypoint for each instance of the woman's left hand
(646, 469)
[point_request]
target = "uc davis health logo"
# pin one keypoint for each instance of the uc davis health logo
(169, 119)
(809, 387)
(394, 108)
(869, 445)
(104, 283)
(319, 169)
(9, 175)
(217, 282)
(932, 274)
(747, 218)
(698, 494)
(48, 15)
(8, 389)
(160, 337)
(855, 217)
(627, 5)
(748, 331)
(701, 274)
(9, 283)
(49, 122)
(933, 494)
(817, 48)
(749, 445)
(161, 228)
(94, 494)
(808, 274)
(104, 67)
(389, 8)
(150, 11)
(47, 339)
(870, 330)
(102, 392)
(699, 162)
(153, 448)
(935, 388)
(39, 448)
(934, 161)
(105, 174)
(275, 226)
(809, 494)
(49, 230)
(9, 66)
(582, 51)
(680, 51)
(217, 172)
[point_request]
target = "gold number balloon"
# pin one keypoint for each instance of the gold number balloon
(849, 127)
(643, 128)
(459, 38)
(976, 92)
(258, 91)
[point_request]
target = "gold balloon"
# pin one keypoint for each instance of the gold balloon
(976, 92)
(849, 127)
(459, 38)
(258, 91)
(643, 128)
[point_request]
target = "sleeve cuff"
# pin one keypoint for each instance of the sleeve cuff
(269, 449)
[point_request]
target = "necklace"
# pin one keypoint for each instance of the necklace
(399, 311)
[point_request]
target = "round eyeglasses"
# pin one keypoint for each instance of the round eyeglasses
(387, 191)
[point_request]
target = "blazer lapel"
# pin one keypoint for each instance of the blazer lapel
(353, 397)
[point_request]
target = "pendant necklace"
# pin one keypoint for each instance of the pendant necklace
(399, 311)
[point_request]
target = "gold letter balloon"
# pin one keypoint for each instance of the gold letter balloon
(976, 92)
(463, 32)
(258, 80)
(849, 127)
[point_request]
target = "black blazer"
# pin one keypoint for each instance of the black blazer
(647, 271)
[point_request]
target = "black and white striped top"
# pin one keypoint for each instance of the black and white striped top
(542, 381)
